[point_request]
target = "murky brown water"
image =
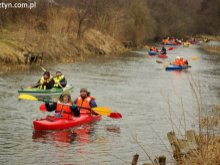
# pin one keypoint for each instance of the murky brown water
(134, 85)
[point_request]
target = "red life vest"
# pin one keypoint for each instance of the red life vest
(64, 109)
(84, 103)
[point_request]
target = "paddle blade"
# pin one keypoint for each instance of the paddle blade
(43, 107)
(43, 69)
(159, 62)
(104, 111)
(115, 115)
(170, 48)
(27, 97)
(194, 57)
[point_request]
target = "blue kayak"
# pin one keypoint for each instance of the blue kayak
(171, 44)
(152, 53)
(175, 67)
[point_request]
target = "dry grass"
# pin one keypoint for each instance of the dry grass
(58, 41)
(208, 154)
(210, 122)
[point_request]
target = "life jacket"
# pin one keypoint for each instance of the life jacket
(176, 62)
(84, 103)
(42, 81)
(57, 80)
(181, 62)
(153, 49)
(64, 109)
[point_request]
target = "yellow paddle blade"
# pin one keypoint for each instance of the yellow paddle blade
(104, 111)
(27, 97)
(194, 57)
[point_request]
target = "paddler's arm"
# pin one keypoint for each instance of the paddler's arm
(63, 82)
(36, 85)
(50, 107)
(93, 105)
(75, 110)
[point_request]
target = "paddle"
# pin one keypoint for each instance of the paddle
(43, 69)
(170, 48)
(104, 111)
(114, 115)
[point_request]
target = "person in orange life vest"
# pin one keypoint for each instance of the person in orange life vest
(85, 100)
(46, 82)
(154, 49)
(64, 108)
(177, 61)
(183, 62)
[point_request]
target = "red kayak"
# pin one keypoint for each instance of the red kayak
(53, 123)
(162, 56)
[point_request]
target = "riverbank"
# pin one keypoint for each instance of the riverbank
(57, 48)
(211, 48)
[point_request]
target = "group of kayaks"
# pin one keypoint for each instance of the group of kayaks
(51, 122)
(169, 67)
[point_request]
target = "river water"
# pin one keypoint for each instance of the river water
(151, 100)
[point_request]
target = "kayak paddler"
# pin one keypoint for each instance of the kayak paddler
(59, 80)
(64, 108)
(163, 50)
(46, 82)
(85, 100)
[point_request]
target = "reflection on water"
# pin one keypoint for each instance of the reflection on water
(80, 134)
(134, 85)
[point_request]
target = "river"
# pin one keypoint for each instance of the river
(132, 84)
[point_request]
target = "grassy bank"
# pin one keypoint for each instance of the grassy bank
(57, 35)
(211, 48)
(57, 47)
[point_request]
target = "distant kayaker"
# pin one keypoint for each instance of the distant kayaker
(85, 100)
(183, 62)
(46, 82)
(163, 50)
(59, 80)
(154, 49)
(64, 108)
(177, 61)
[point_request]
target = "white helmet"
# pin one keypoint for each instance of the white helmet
(178, 57)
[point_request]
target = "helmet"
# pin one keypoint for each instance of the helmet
(178, 57)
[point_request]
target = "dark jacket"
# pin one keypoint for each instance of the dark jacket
(48, 85)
